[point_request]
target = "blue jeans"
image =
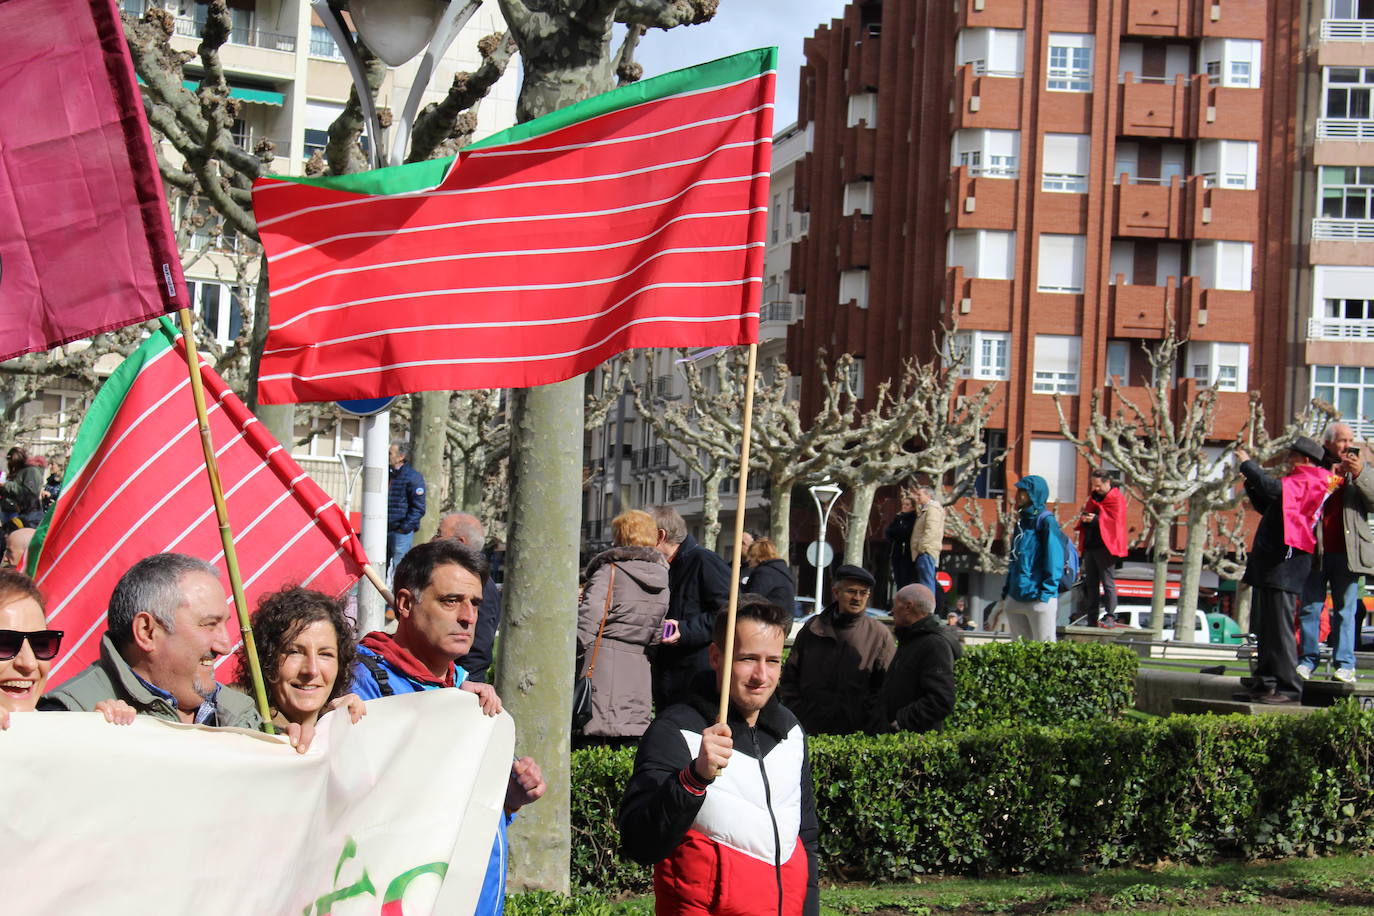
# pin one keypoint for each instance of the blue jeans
(397, 546)
(1345, 593)
(925, 572)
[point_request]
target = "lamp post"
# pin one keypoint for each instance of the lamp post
(825, 494)
(395, 30)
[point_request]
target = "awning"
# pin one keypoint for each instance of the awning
(260, 96)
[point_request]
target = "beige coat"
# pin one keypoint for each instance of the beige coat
(929, 534)
(622, 686)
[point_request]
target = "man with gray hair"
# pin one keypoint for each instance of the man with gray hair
(166, 619)
(468, 530)
(698, 586)
(1345, 552)
(917, 693)
(927, 537)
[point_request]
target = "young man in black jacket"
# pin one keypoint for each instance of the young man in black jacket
(725, 812)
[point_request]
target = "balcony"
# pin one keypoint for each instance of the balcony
(1347, 30)
(1339, 329)
(988, 100)
(678, 491)
(858, 147)
(1342, 230)
(243, 35)
(981, 199)
(1232, 407)
(1187, 108)
(1152, 108)
(980, 14)
(779, 310)
(1149, 207)
(855, 241)
(1345, 129)
(1142, 311)
(987, 300)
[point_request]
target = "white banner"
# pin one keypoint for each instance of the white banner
(392, 816)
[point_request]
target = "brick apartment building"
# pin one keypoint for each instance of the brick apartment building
(1062, 179)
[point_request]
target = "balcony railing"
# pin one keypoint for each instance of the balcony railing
(324, 46)
(1348, 30)
(1340, 329)
(1063, 181)
(1345, 129)
(678, 491)
(1342, 230)
(272, 41)
(777, 310)
(1239, 180)
(980, 68)
(663, 388)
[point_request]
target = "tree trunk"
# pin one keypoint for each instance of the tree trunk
(780, 517)
(1160, 555)
(428, 436)
(537, 643)
(474, 486)
(277, 419)
(1191, 575)
(860, 508)
(1244, 594)
(710, 508)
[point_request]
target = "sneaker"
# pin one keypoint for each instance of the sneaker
(1345, 675)
(1305, 672)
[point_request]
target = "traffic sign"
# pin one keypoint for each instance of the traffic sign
(821, 549)
(365, 407)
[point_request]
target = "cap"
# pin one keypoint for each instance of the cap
(856, 574)
(1305, 446)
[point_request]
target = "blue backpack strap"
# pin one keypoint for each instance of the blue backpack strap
(379, 674)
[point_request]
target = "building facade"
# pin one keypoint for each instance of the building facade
(1064, 181)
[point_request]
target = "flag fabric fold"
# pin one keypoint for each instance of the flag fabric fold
(86, 242)
(635, 218)
(136, 485)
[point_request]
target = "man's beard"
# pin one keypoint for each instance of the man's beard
(205, 693)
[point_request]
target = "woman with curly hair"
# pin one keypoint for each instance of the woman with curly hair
(306, 648)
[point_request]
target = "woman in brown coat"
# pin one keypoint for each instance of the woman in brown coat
(636, 576)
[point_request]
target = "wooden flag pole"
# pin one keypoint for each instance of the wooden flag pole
(231, 558)
(728, 656)
(375, 578)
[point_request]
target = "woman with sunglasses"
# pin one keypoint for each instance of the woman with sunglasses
(307, 648)
(27, 649)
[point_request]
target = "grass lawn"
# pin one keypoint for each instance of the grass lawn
(1300, 887)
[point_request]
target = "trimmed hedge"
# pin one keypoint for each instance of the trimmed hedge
(1191, 788)
(1038, 683)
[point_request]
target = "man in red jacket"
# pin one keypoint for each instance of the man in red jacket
(1101, 543)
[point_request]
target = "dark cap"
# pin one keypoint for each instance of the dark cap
(856, 574)
(1305, 446)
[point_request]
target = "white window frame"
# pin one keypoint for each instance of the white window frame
(1222, 365)
(993, 61)
(1351, 390)
(987, 354)
(1056, 460)
(863, 106)
(1050, 257)
(1070, 177)
(1118, 363)
(1056, 364)
(1232, 62)
(858, 195)
(999, 149)
(854, 287)
(984, 267)
(224, 306)
(1069, 62)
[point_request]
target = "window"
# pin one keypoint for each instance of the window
(1145, 263)
(856, 376)
(858, 196)
(991, 52)
(1065, 164)
(1056, 460)
(1071, 63)
(1350, 9)
(991, 481)
(219, 307)
(1118, 363)
(987, 153)
(985, 354)
(318, 117)
(1232, 62)
(1347, 92)
(1222, 265)
(863, 106)
(1223, 366)
(984, 254)
(854, 287)
(1150, 162)
(207, 228)
(1057, 358)
(1227, 163)
(322, 43)
(788, 209)
(1157, 65)
(775, 228)
(59, 415)
(1347, 191)
(1351, 390)
(1345, 303)
(1061, 264)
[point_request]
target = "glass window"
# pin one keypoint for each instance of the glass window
(1057, 359)
(1347, 191)
(991, 481)
(1348, 91)
(1351, 390)
(986, 354)
(1223, 366)
(1065, 164)
(1062, 260)
(1071, 63)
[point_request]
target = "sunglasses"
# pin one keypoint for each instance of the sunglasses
(44, 643)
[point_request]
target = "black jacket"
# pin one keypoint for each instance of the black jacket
(659, 807)
(772, 579)
(698, 586)
(899, 546)
(1272, 563)
(918, 689)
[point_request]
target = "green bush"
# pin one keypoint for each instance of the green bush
(1014, 798)
(1037, 683)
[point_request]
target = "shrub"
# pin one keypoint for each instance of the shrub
(1036, 683)
(1013, 798)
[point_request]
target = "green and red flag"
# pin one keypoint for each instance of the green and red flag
(136, 486)
(632, 219)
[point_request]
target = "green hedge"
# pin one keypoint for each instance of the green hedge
(1037, 683)
(1036, 798)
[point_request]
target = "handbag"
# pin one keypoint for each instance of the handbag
(582, 690)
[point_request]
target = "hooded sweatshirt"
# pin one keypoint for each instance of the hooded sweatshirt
(1036, 562)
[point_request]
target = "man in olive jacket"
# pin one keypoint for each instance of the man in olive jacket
(167, 620)
(838, 660)
(918, 690)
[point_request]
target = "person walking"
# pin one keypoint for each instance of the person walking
(1101, 543)
(1030, 597)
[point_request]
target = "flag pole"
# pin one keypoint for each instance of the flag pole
(376, 579)
(728, 656)
(231, 558)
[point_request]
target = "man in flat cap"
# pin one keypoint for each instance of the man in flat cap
(838, 660)
(1280, 561)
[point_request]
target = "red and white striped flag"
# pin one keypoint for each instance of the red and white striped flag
(632, 219)
(136, 486)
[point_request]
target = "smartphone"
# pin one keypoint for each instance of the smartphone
(669, 629)
(1353, 450)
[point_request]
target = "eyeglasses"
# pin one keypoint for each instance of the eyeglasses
(44, 643)
(855, 592)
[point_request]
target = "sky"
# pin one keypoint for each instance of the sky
(742, 25)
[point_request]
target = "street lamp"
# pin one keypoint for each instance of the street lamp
(395, 30)
(825, 494)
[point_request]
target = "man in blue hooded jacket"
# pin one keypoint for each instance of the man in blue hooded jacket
(1030, 597)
